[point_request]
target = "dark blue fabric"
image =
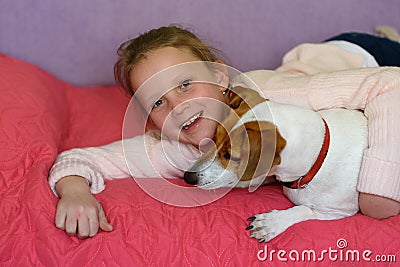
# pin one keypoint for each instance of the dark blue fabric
(386, 52)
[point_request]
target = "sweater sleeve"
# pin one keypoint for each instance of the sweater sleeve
(352, 89)
(143, 156)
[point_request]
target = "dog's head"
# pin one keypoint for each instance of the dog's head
(242, 151)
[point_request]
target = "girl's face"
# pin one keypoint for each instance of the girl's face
(185, 110)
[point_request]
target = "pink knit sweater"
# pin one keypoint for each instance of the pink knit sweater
(315, 76)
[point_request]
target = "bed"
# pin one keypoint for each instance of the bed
(45, 111)
(41, 116)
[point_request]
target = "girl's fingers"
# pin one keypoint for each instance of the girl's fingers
(60, 218)
(83, 227)
(83, 222)
(71, 225)
(93, 225)
(104, 224)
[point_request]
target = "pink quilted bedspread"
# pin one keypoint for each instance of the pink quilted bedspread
(41, 116)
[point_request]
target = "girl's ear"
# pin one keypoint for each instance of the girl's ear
(221, 75)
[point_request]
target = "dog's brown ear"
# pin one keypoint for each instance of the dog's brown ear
(265, 145)
(229, 144)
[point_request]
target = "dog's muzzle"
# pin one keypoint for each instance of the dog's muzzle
(191, 177)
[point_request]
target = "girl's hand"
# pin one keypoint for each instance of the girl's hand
(78, 211)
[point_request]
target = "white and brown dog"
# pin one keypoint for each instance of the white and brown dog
(315, 155)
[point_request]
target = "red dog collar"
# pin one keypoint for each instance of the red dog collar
(303, 181)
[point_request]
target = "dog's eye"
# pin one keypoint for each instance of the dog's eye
(227, 155)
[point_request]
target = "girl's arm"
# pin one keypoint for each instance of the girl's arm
(78, 173)
(351, 89)
(143, 156)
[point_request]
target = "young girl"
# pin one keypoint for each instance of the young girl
(333, 80)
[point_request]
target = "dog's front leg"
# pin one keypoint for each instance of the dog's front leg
(267, 226)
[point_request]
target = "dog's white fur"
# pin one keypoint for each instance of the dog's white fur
(331, 194)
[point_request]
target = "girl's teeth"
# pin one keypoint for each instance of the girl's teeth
(193, 119)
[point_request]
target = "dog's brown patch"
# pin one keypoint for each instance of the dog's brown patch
(263, 139)
(250, 147)
(249, 140)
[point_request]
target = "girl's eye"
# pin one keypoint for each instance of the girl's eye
(158, 103)
(185, 85)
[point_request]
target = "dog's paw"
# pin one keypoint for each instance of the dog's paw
(266, 226)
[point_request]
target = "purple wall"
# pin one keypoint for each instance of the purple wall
(76, 39)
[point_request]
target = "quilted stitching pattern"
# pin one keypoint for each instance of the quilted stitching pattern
(41, 116)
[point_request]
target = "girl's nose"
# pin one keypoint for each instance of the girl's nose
(179, 107)
(177, 102)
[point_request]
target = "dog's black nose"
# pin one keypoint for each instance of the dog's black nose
(190, 177)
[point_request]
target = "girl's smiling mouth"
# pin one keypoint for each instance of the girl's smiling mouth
(191, 121)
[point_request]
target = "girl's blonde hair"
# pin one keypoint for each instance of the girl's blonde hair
(133, 51)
